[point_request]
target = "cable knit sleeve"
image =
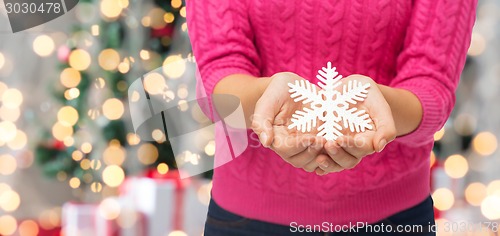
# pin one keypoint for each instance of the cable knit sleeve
(222, 39)
(432, 60)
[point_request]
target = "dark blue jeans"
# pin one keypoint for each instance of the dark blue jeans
(413, 221)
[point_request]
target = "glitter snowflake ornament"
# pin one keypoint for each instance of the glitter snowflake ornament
(329, 105)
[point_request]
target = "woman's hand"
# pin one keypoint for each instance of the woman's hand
(271, 119)
(348, 150)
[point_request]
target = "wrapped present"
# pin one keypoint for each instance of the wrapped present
(111, 217)
(168, 202)
(79, 219)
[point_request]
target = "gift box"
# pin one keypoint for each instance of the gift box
(79, 219)
(168, 202)
(111, 217)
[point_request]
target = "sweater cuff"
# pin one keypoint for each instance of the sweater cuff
(211, 78)
(433, 114)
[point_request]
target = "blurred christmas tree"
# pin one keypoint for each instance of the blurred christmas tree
(89, 142)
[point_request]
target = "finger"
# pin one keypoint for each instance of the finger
(290, 145)
(340, 156)
(263, 118)
(305, 159)
(385, 129)
(358, 146)
(319, 171)
(326, 164)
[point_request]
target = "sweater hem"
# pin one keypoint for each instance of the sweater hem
(368, 206)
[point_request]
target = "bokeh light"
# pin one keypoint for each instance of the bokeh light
(169, 17)
(144, 54)
(85, 164)
(72, 93)
(176, 3)
(182, 91)
(96, 187)
(485, 143)
(113, 175)
(67, 116)
(162, 168)
(174, 66)
(135, 96)
(158, 136)
(109, 209)
(50, 218)
(154, 83)
(8, 164)
(8, 225)
(210, 148)
(99, 83)
(147, 153)
(69, 141)
(123, 3)
(203, 193)
(70, 77)
(183, 105)
(28, 228)
(74, 182)
(109, 59)
(9, 200)
(438, 135)
(79, 59)
(95, 164)
(19, 141)
(113, 109)
(111, 8)
(490, 207)
(177, 233)
(43, 45)
(443, 199)
(12, 98)
(493, 188)
(133, 139)
(124, 66)
(477, 44)
(114, 155)
(156, 18)
(182, 12)
(94, 30)
(432, 158)
(8, 131)
(475, 193)
(77, 155)
(86, 147)
(456, 166)
(9, 114)
(60, 132)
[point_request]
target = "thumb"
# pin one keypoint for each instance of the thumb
(385, 129)
(385, 132)
(263, 118)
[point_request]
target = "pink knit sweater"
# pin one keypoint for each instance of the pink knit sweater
(418, 45)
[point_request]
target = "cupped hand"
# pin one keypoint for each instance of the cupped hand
(271, 120)
(348, 150)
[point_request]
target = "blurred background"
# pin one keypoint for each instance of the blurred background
(71, 164)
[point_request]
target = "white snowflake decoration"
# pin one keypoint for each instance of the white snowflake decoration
(329, 105)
